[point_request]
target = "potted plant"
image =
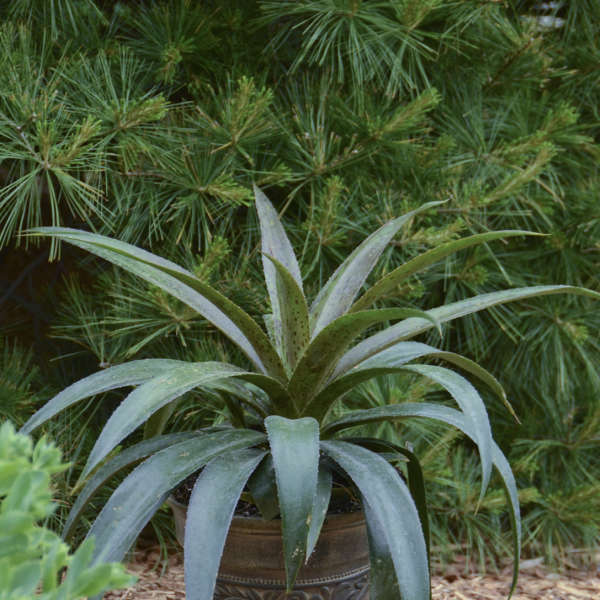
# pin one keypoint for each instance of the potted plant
(283, 442)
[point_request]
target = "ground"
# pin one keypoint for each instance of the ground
(160, 580)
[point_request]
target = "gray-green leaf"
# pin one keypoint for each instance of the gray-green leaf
(320, 507)
(275, 244)
(140, 404)
(457, 419)
(397, 518)
(336, 297)
(390, 282)
(411, 327)
(295, 449)
(293, 314)
(131, 373)
(183, 285)
(320, 358)
(125, 458)
(391, 361)
(469, 400)
(212, 504)
(138, 497)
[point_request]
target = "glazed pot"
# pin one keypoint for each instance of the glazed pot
(252, 565)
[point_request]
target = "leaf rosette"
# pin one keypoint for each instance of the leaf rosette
(286, 441)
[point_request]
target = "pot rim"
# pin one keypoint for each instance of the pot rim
(332, 520)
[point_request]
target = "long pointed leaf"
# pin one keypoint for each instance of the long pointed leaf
(275, 244)
(211, 508)
(390, 282)
(397, 517)
(512, 496)
(469, 400)
(131, 373)
(461, 390)
(275, 241)
(295, 450)
(293, 313)
(411, 327)
(416, 481)
(416, 485)
(455, 418)
(145, 400)
(124, 459)
(320, 358)
(391, 361)
(255, 398)
(336, 297)
(263, 488)
(383, 584)
(374, 415)
(320, 507)
(183, 285)
(138, 497)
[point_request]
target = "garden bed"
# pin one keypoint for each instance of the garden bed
(160, 580)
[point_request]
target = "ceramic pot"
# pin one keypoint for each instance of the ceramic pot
(252, 565)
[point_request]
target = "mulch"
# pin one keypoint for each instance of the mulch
(163, 579)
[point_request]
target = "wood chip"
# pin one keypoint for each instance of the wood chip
(534, 583)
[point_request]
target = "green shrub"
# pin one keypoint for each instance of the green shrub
(33, 559)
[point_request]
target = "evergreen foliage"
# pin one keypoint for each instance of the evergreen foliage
(149, 121)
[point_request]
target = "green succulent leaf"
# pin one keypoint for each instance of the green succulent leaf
(124, 459)
(336, 297)
(276, 245)
(295, 449)
(442, 314)
(397, 518)
(469, 400)
(293, 313)
(131, 373)
(512, 497)
(392, 360)
(320, 507)
(253, 396)
(142, 492)
(456, 419)
(154, 394)
(372, 415)
(389, 283)
(383, 584)
(263, 488)
(210, 511)
(224, 314)
(416, 485)
(320, 358)
(416, 481)
(279, 400)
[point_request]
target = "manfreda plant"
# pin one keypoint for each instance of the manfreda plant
(283, 440)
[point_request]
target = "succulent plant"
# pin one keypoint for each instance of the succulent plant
(284, 440)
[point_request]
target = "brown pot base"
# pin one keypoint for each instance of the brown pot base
(353, 587)
(252, 566)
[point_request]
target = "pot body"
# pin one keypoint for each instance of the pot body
(252, 566)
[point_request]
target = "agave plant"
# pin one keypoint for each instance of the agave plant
(283, 431)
